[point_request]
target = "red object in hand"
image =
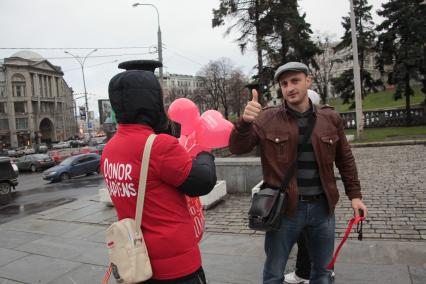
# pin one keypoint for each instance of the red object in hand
(353, 221)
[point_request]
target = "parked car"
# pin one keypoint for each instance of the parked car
(12, 153)
(85, 150)
(19, 151)
(29, 150)
(34, 162)
(100, 148)
(74, 143)
(74, 166)
(59, 155)
(61, 145)
(8, 179)
(43, 148)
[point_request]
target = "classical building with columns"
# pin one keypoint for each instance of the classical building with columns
(36, 104)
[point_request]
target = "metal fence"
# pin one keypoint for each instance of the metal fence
(386, 118)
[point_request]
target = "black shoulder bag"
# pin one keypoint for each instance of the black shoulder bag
(268, 205)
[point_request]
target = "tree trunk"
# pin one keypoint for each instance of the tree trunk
(423, 72)
(361, 73)
(324, 94)
(407, 98)
(259, 51)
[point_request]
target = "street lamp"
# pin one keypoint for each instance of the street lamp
(357, 76)
(81, 61)
(160, 49)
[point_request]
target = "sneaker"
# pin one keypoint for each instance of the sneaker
(292, 278)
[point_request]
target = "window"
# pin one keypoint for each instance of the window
(85, 160)
(4, 123)
(3, 108)
(18, 85)
(21, 123)
(20, 107)
(18, 89)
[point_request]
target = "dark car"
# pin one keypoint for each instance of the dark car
(100, 148)
(8, 179)
(34, 162)
(73, 166)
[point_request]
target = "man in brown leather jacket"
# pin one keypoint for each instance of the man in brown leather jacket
(312, 190)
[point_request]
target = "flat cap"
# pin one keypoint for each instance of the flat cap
(291, 66)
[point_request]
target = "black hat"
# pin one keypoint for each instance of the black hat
(136, 96)
(147, 65)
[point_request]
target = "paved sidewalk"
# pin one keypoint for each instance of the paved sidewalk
(66, 244)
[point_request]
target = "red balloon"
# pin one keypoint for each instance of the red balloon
(212, 130)
(186, 113)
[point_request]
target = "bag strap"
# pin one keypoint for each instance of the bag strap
(305, 139)
(142, 180)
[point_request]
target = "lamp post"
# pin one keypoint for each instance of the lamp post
(81, 61)
(160, 48)
(357, 76)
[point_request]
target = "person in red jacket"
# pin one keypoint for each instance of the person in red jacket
(136, 98)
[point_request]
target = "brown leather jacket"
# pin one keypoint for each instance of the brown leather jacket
(277, 133)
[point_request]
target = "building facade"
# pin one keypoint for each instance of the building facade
(180, 86)
(36, 104)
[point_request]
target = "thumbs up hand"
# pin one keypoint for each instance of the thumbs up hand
(253, 108)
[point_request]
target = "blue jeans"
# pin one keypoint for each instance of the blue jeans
(314, 220)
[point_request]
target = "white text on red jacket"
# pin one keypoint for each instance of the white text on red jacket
(118, 179)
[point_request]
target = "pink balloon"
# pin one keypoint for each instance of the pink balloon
(182, 140)
(184, 112)
(212, 130)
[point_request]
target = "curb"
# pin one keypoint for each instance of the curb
(389, 143)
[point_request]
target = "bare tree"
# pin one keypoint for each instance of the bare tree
(325, 68)
(237, 90)
(213, 78)
(201, 99)
(173, 93)
(222, 82)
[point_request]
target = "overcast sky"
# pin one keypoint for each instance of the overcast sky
(188, 38)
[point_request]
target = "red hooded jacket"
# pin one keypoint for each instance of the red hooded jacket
(166, 222)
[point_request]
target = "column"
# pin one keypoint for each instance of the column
(28, 97)
(55, 120)
(11, 110)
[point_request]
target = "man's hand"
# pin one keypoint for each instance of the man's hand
(253, 108)
(358, 204)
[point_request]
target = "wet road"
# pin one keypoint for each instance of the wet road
(35, 194)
